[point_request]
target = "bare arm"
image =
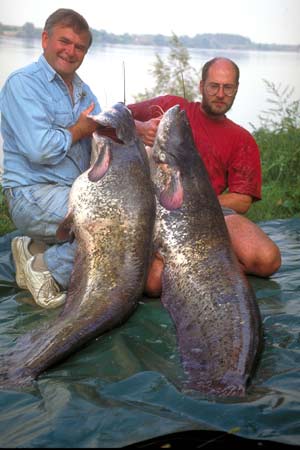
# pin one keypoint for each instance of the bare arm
(238, 202)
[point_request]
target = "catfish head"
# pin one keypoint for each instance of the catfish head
(116, 123)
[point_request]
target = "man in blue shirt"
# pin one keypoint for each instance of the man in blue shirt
(47, 143)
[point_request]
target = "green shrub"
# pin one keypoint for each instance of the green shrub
(279, 141)
(6, 224)
(173, 75)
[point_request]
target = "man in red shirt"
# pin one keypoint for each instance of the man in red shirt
(231, 157)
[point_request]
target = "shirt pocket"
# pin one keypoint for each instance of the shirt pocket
(62, 115)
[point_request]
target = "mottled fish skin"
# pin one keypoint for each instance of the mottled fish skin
(214, 309)
(112, 218)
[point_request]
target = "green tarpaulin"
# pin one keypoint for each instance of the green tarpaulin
(123, 387)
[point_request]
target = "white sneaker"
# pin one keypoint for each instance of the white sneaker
(43, 287)
(21, 254)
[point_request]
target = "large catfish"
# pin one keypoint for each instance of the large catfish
(213, 307)
(111, 213)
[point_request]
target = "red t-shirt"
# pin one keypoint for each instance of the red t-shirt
(229, 152)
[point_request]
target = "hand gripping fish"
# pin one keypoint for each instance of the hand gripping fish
(214, 309)
(111, 214)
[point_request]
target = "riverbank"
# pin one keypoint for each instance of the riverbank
(1, 157)
(205, 41)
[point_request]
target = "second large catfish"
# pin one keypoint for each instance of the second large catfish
(209, 298)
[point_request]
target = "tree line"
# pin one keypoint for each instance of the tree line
(221, 41)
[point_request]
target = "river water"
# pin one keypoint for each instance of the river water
(103, 70)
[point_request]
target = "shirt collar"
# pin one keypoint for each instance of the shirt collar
(52, 74)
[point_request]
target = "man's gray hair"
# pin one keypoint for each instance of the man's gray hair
(68, 18)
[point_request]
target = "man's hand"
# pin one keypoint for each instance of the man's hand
(147, 130)
(84, 127)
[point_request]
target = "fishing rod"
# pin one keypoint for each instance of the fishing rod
(124, 83)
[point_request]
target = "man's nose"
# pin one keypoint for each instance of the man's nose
(221, 92)
(71, 49)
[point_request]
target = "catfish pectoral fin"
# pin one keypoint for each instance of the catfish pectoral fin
(172, 197)
(101, 165)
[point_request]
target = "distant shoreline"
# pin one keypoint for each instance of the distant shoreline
(207, 41)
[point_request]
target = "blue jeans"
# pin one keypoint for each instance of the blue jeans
(37, 211)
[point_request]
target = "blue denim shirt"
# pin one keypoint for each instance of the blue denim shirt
(36, 110)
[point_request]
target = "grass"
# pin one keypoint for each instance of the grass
(6, 224)
(278, 202)
(279, 141)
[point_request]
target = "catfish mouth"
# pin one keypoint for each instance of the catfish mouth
(115, 123)
(109, 132)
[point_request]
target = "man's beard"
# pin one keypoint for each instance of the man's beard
(206, 106)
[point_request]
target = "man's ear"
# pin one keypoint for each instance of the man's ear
(44, 39)
(201, 87)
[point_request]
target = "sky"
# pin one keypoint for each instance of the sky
(263, 21)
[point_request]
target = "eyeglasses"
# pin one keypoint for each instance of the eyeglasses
(228, 89)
